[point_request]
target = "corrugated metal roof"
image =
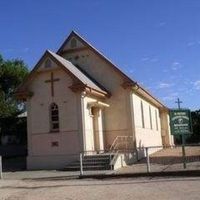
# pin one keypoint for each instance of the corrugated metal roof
(76, 72)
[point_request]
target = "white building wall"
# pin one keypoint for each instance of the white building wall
(116, 118)
(42, 153)
(146, 136)
(89, 129)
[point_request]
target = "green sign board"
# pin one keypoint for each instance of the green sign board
(180, 121)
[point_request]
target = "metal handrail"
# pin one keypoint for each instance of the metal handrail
(112, 161)
(116, 141)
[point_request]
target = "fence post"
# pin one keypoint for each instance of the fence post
(110, 157)
(1, 174)
(81, 164)
(137, 156)
(183, 151)
(147, 159)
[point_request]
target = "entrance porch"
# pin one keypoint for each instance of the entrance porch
(94, 140)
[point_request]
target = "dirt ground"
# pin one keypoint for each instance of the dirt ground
(177, 152)
(169, 159)
(137, 188)
(54, 185)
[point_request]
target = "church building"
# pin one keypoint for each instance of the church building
(78, 101)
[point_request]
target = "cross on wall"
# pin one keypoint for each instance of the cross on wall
(52, 80)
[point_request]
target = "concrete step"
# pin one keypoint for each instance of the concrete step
(87, 168)
(91, 162)
(98, 156)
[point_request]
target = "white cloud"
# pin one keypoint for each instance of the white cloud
(131, 71)
(193, 43)
(145, 59)
(164, 85)
(196, 85)
(165, 70)
(8, 50)
(26, 49)
(149, 59)
(162, 24)
(154, 60)
(189, 44)
(176, 65)
(170, 97)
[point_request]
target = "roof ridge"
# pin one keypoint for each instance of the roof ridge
(115, 67)
(56, 56)
(67, 66)
(95, 49)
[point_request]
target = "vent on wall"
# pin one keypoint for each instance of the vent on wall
(48, 63)
(73, 43)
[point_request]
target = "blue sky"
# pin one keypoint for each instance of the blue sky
(156, 42)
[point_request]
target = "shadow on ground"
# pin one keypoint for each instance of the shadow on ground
(13, 164)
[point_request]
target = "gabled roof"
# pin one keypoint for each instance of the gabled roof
(78, 73)
(69, 68)
(87, 44)
(143, 92)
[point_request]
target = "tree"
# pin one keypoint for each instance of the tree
(12, 73)
(195, 137)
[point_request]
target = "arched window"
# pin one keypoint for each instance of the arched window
(142, 114)
(150, 118)
(54, 117)
(156, 116)
(73, 43)
(48, 63)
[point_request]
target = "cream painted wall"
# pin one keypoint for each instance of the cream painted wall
(122, 118)
(168, 139)
(146, 136)
(94, 126)
(78, 44)
(89, 132)
(119, 118)
(63, 97)
(40, 138)
(116, 120)
(96, 67)
(168, 131)
(99, 132)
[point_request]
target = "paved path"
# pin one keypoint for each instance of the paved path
(113, 189)
(169, 159)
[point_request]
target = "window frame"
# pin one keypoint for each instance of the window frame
(156, 116)
(142, 114)
(73, 43)
(48, 63)
(53, 108)
(150, 118)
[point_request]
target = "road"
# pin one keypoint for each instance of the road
(129, 188)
